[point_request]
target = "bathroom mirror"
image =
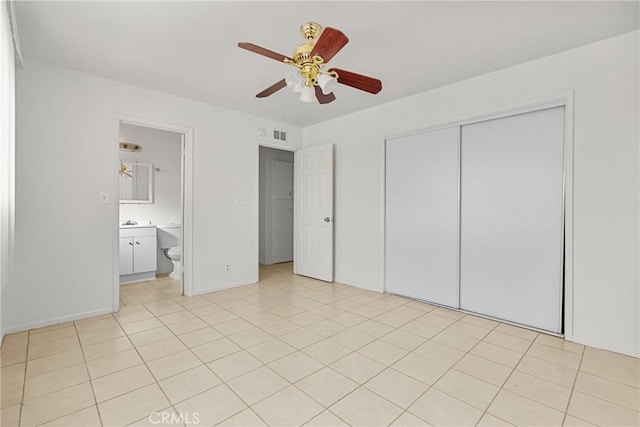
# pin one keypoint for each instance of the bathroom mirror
(136, 182)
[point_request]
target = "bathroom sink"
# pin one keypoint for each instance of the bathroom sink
(136, 225)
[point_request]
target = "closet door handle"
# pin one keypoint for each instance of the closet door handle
(131, 243)
(137, 243)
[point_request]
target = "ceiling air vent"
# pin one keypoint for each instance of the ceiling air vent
(279, 135)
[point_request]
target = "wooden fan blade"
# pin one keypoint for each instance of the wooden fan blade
(262, 51)
(322, 98)
(329, 43)
(272, 89)
(358, 81)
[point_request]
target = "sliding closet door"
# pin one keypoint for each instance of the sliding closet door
(421, 217)
(512, 218)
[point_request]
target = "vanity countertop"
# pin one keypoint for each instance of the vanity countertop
(137, 226)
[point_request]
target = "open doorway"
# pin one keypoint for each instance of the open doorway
(275, 210)
(151, 196)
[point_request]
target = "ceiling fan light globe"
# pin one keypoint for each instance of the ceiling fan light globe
(327, 83)
(308, 94)
(290, 79)
(294, 81)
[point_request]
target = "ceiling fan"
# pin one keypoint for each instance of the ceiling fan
(310, 78)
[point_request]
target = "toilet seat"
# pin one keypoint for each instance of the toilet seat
(169, 238)
(175, 253)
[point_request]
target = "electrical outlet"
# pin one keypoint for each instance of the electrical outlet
(227, 267)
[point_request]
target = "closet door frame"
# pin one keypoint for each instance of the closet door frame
(565, 100)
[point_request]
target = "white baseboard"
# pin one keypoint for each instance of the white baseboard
(379, 289)
(56, 320)
(137, 277)
(223, 287)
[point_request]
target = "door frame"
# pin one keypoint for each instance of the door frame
(256, 160)
(564, 99)
(186, 208)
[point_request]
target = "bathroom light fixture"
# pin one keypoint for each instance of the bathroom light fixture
(129, 146)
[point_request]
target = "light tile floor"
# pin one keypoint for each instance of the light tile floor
(150, 291)
(292, 351)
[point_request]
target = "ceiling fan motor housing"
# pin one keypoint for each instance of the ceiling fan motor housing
(308, 65)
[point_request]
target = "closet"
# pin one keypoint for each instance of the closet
(474, 217)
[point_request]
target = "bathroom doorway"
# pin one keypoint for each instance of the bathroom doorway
(275, 209)
(154, 161)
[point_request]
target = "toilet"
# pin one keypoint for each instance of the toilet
(169, 240)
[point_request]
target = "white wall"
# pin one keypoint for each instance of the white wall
(604, 76)
(267, 229)
(7, 151)
(65, 250)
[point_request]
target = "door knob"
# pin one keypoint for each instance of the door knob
(327, 219)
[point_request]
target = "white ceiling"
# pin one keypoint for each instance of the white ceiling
(189, 48)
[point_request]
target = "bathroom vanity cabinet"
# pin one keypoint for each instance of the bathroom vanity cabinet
(138, 249)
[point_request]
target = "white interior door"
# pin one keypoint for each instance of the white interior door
(282, 211)
(313, 212)
(512, 218)
(421, 240)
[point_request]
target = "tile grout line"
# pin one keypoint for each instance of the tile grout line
(599, 376)
(144, 362)
(325, 408)
(205, 363)
(431, 386)
(377, 339)
(69, 386)
(507, 379)
(403, 410)
(102, 376)
(222, 382)
(88, 376)
(573, 386)
(24, 381)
